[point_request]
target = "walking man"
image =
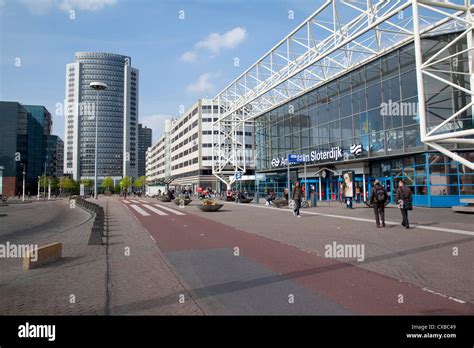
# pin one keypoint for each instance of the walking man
(404, 199)
(378, 196)
(296, 195)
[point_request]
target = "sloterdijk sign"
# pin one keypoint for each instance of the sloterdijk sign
(335, 154)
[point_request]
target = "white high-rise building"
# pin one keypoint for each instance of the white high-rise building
(183, 155)
(118, 116)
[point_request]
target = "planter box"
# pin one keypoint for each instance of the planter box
(246, 200)
(214, 207)
(186, 201)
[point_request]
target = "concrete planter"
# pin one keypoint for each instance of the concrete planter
(210, 207)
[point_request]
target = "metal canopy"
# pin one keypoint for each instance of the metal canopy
(337, 38)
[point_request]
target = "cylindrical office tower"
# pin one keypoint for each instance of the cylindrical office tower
(117, 110)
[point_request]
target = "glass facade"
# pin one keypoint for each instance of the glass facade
(109, 69)
(374, 106)
(24, 130)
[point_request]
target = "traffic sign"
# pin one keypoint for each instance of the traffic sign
(296, 158)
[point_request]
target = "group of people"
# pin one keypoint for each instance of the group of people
(378, 198)
(297, 195)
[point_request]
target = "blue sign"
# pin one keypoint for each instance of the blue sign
(238, 175)
(296, 158)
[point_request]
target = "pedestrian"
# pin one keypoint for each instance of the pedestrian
(296, 195)
(378, 196)
(270, 198)
(404, 199)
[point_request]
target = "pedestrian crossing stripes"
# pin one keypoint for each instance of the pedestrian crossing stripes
(133, 201)
(125, 201)
(143, 201)
(156, 211)
(169, 209)
(139, 210)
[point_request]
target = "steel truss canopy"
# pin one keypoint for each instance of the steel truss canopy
(338, 37)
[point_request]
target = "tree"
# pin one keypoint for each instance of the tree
(54, 183)
(125, 183)
(107, 183)
(66, 184)
(140, 183)
(88, 183)
(137, 183)
(44, 182)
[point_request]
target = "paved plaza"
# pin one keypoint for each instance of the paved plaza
(249, 259)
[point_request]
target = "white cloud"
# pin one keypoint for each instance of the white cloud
(38, 7)
(189, 57)
(215, 42)
(202, 85)
(156, 122)
(86, 5)
(41, 7)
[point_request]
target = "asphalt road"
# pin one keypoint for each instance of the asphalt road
(232, 271)
(32, 222)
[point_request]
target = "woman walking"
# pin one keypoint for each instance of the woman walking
(296, 196)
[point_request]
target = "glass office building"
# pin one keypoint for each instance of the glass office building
(366, 121)
(118, 116)
(23, 145)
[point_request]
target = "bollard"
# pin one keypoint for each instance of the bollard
(95, 238)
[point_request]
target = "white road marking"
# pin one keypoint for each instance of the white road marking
(443, 295)
(125, 201)
(429, 228)
(169, 209)
(139, 210)
(156, 211)
(143, 201)
(133, 201)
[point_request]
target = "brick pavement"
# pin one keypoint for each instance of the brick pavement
(418, 256)
(142, 283)
(72, 286)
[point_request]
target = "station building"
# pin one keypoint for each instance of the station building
(366, 121)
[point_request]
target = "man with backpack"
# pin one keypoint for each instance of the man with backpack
(404, 199)
(378, 197)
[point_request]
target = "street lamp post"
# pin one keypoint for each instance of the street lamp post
(98, 86)
(44, 181)
(23, 196)
(39, 180)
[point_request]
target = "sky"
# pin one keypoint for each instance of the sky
(185, 50)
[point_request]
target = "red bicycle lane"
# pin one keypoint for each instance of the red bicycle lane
(356, 289)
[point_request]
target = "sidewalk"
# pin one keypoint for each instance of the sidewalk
(75, 285)
(434, 217)
(141, 281)
(100, 280)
